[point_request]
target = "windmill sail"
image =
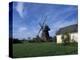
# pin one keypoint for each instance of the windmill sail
(42, 25)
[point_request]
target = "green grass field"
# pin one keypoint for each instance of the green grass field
(42, 49)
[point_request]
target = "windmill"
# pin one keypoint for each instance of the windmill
(44, 28)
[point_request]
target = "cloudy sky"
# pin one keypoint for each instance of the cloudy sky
(27, 16)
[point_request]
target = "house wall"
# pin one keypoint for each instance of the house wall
(73, 37)
(59, 40)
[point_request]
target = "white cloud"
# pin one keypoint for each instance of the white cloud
(24, 32)
(20, 8)
(21, 29)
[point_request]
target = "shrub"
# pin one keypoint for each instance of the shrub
(66, 38)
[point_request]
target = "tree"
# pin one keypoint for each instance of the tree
(66, 38)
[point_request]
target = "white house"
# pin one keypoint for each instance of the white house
(72, 30)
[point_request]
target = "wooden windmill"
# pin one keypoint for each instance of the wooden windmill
(44, 28)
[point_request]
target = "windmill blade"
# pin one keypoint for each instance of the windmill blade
(42, 25)
(44, 21)
(39, 31)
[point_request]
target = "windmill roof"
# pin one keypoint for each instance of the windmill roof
(70, 29)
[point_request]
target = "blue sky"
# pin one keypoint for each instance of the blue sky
(27, 16)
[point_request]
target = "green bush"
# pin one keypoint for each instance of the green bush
(66, 38)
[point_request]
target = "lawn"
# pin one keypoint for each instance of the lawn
(42, 49)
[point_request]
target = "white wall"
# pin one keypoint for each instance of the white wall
(74, 36)
(59, 40)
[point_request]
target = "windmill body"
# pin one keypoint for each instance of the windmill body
(44, 31)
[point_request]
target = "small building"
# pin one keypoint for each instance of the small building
(72, 30)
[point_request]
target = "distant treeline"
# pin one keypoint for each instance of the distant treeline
(40, 40)
(13, 40)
